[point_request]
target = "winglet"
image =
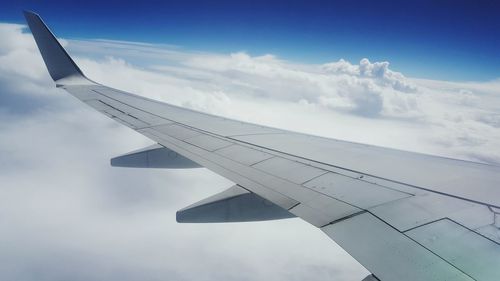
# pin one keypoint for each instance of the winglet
(57, 60)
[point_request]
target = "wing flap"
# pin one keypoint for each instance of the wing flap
(418, 210)
(290, 170)
(472, 253)
(244, 155)
(389, 254)
(356, 192)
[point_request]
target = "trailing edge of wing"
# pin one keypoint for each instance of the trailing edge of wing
(58, 62)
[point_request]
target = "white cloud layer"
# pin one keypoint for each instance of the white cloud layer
(65, 214)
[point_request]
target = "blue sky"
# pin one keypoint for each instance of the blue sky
(452, 40)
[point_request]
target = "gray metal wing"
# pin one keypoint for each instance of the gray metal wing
(403, 215)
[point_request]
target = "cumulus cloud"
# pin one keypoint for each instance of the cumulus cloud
(65, 214)
(367, 89)
(378, 71)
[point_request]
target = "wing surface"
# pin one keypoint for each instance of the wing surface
(402, 215)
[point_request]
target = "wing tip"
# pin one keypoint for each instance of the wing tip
(30, 13)
(59, 64)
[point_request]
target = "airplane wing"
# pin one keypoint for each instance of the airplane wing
(402, 215)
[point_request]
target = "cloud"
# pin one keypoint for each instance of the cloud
(66, 214)
(366, 89)
(365, 102)
(378, 71)
(18, 59)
